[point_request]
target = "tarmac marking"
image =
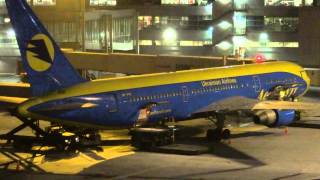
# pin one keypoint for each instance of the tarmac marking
(94, 156)
(127, 176)
(23, 159)
(117, 151)
(83, 161)
(63, 164)
(239, 130)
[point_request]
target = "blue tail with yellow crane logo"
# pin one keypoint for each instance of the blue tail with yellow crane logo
(47, 68)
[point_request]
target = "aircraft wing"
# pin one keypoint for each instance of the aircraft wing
(243, 103)
(12, 100)
(286, 105)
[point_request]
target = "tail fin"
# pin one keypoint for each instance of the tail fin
(47, 67)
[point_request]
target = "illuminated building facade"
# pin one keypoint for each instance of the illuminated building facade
(270, 28)
(243, 28)
(150, 27)
(176, 27)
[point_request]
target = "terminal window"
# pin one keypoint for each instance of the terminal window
(240, 23)
(186, 43)
(2, 2)
(194, 2)
(178, 1)
(103, 2)
(288, 2)
(144, 21)
(271, 44)
(281, 24)
(179, 22)
(44, 2)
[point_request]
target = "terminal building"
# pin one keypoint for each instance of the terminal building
(247, 28)
(275, 29)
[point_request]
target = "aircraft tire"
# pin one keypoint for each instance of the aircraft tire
(226, 134)
(214, 135)
(18, 144)
(61, 147)
(135, 142)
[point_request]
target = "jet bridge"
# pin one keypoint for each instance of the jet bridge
(144, 64)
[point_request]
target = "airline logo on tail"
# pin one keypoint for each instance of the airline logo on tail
(40, 53)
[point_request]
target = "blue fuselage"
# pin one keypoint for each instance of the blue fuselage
(61, 94)
(178, 101)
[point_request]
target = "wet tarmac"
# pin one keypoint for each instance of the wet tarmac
(253, 152)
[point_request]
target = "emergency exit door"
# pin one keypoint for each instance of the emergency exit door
(185, 94)
(256, 83)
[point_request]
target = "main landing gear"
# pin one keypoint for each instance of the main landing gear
(219, 133)
(62, 138)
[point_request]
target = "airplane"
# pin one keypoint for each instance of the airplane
(269, 91)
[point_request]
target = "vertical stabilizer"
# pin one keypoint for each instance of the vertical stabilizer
(47, 68)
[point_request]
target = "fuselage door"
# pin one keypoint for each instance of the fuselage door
(111, 103)
(185, 94)
(256, 83)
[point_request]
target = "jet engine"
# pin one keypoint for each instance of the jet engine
(276, 118)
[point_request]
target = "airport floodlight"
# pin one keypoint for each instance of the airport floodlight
(102, 35)
(169, 34)
(224, 25)
(209, 32)
(6, 20)
(240, 4)
(210, 29)
(11, 33)
(208, 8)
(224, 1)
(239, 40)
(263, 37)
(224, 45)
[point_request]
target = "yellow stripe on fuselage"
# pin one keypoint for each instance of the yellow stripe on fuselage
(9, 84)
(131, 82)
(13, 100)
